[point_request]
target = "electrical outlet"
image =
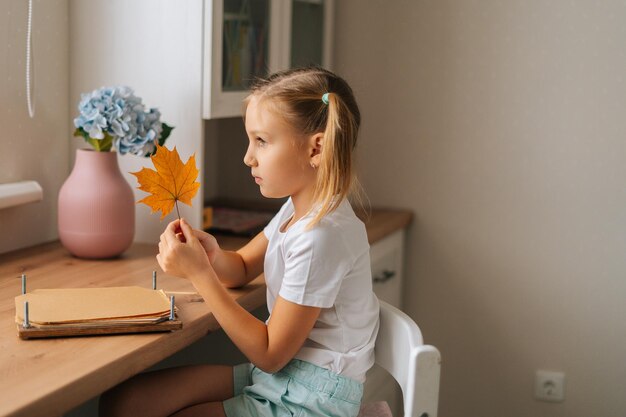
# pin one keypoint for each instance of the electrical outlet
(549, 386)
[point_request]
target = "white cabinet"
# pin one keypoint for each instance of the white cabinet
(308, 33)
(244, 39)
(387, 258)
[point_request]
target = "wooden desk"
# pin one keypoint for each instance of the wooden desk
(47, 377)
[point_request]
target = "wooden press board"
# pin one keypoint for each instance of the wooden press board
(93, 311)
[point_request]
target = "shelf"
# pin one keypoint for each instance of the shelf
(236, 17)
(18, 193)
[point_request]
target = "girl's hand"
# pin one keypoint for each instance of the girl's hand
(209, 243)
(185, 258)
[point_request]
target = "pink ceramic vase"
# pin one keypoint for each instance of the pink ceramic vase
(96, 207)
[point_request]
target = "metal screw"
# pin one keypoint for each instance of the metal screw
(26, 323)
(171, 307)
(23, 283)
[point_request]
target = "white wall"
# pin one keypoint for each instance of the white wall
(33, 149)
(502, 126)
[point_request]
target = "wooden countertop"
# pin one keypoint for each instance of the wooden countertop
(47, 377)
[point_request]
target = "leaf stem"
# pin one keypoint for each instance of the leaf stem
(177, 212)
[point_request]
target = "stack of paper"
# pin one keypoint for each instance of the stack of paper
(84, 307)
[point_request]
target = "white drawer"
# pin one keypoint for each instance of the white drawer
(386, 258)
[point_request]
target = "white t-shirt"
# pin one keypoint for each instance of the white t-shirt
(327, 266)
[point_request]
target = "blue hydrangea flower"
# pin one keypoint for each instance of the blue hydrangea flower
(141, 139)
(116, 115)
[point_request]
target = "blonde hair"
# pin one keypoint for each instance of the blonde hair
(298, 95)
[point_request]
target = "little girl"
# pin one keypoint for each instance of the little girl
(311, 356)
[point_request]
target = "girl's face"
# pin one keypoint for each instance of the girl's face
(279, 157)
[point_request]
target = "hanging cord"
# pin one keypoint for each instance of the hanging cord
(29, 44)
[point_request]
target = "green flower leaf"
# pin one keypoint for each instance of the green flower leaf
(80, 132)
(165, 133)
(167, 129)
(101, 145)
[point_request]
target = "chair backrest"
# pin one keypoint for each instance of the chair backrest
(401, 351)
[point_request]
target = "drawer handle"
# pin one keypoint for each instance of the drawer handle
(386, 275)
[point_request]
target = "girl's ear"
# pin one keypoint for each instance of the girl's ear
(316, 142)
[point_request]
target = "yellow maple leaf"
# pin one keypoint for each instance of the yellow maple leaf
(171, 182)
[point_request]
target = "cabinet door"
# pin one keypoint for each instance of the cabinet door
(308, 27)
(240, 43)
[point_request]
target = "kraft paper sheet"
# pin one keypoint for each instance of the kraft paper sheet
(115, 305)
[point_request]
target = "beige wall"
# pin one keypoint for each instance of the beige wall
(33, 149)
(502, 126)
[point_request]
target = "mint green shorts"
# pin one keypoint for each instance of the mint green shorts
(299, 389)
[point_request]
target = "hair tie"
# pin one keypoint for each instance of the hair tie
(325, 98)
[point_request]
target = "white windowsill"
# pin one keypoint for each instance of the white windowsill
(18, 193)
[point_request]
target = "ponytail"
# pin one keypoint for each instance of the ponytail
(335, 177)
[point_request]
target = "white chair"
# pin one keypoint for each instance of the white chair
(401, 351)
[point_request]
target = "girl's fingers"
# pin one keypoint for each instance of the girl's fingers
(173, 226)
(170, 233)
(163, 248)
(186, 229)
(163, 242)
